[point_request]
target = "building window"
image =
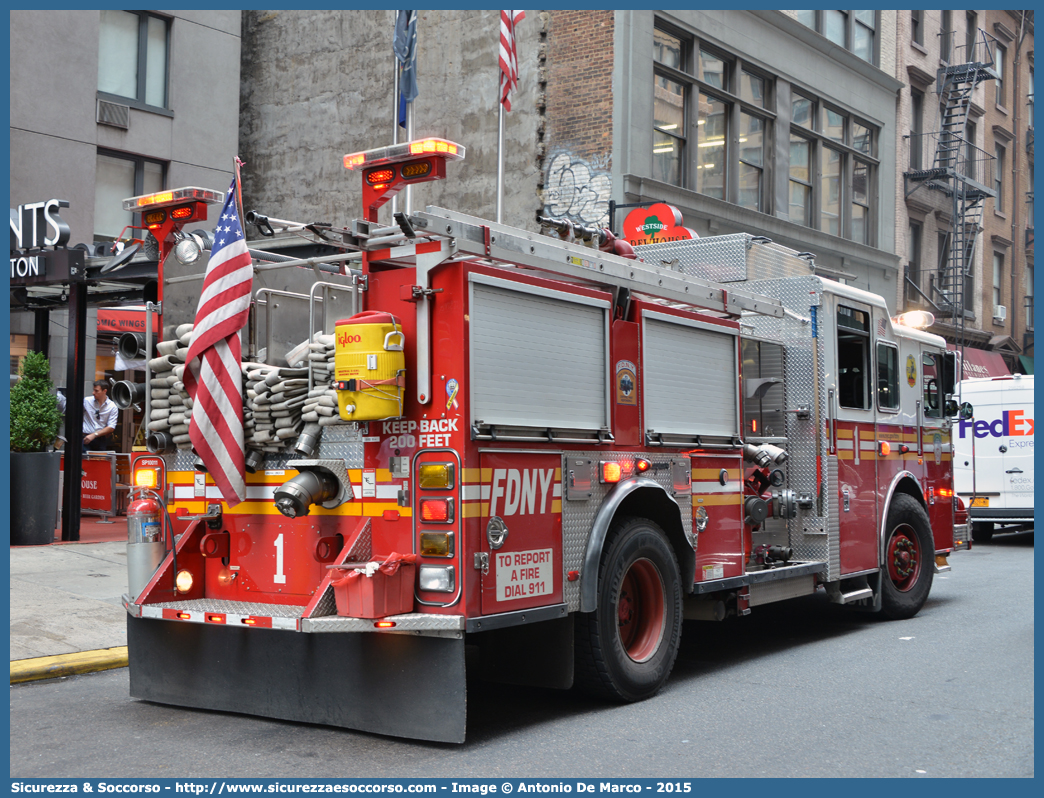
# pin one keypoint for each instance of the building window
(916, 129)
(712, 121)
(971, 152)
(834, 25)
(913, 258)
(118, 177)
(854, 30)
(971, 33)
(998, 274)
(133, 49)
(917, 27)
(999, 65)
(832, 170)
(998, 178)
(946, 36)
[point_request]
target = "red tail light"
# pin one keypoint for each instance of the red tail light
(436, 510)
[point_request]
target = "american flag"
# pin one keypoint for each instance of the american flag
(508, 55)
(214, 377)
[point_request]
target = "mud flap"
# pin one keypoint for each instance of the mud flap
(399, 685)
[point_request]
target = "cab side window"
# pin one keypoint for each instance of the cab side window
(853, 358)
(930, 388)
(887, 377)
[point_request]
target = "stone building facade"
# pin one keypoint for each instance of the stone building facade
(798, 112)
(998, 297)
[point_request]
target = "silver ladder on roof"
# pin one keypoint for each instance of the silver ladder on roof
(503, 243)
(465, 235)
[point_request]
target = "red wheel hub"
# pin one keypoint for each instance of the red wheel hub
(641, 611)
(903, 558)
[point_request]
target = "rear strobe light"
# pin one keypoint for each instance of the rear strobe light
(436, 544)
(145, 478)
(437, 578)
(610, 471)
(184, 581)
(435, 476)
(438, 511)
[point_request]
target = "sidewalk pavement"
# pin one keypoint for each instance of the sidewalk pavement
(67, 613)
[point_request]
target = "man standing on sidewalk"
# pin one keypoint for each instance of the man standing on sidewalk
(99, 419)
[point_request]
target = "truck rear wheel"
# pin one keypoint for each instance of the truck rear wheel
(626, 648)
(982, 531)
(909, 559)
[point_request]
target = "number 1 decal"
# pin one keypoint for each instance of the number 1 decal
(280, 577)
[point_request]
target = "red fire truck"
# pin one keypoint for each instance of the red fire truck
(571, 446)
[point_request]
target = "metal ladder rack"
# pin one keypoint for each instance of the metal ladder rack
(500, 242)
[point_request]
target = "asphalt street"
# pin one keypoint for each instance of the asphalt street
(797, 689)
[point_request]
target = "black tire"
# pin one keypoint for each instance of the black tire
(906, 575)
(982, 531)
(626, 648)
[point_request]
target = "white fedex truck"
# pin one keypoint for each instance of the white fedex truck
(993, 454)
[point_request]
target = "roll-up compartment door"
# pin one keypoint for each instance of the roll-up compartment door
(538, 357)
(690, 378)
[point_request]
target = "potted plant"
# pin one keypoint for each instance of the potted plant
(34, 463)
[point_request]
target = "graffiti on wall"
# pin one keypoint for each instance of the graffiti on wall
(578, 188)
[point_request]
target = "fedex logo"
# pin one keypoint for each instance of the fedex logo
(518, 488)
(1011, 423)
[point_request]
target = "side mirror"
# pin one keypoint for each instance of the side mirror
(966, 411)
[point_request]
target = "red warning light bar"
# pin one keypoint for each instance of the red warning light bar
(176, 196)
(396, 153)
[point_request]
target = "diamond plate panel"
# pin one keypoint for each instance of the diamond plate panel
(811, 535)
(337, 443)
(727, 259)
(342, 443)
(578, 516)
(414, 621)
(722, 259)
(234, 607)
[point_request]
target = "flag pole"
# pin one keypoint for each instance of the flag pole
(409, 137)
(395, 117)
(500, 164)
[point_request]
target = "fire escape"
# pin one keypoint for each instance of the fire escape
(960, 172)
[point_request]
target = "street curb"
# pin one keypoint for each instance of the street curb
(29, 670)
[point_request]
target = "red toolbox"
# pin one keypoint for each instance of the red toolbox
(387, 591)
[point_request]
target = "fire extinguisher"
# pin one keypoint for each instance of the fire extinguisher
(145, 548)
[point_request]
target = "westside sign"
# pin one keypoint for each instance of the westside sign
(655, 225)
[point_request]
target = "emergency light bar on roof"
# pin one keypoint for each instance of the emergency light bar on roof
(176, 196)
(397, 153)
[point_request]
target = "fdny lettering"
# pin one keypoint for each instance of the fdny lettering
(522, 574)
(1011, 423)
(517, 487)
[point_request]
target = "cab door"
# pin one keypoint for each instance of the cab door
(855, 435)
(937, 442)
(521, 528)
